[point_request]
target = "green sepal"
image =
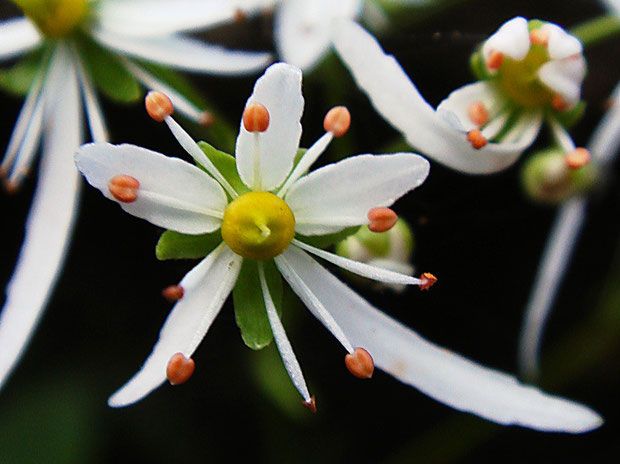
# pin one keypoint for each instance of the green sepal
(478, 67)
(226, 164)
(324, 241)
(108, 73)
(571, 116)
(535, 24)
(250, 312)
(18, 79)
(174, 245)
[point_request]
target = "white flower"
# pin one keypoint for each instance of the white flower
(282, 203)
(149, 30)
(528, 75)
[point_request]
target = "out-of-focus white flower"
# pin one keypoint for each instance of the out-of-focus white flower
(267, 210)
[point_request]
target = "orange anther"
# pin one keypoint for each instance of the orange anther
(478, 113)
(158, 105)
(360, 363)
(495, 60)
(179, 369)
(577, 158)
(337, 121)
(381, 219)
(311, 405)
(428, 280)
(206, 119)
(11, 186)
(539, 37)
(124, 188)
(239, 16)
(173, 293)
(476, 139)
(256, 118)
(559, 103)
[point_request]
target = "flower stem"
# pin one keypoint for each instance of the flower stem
(596, 30)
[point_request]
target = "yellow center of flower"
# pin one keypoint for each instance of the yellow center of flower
(55, 18)
(518, 80)
(258, 225)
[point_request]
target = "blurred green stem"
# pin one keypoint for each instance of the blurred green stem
(596, 30)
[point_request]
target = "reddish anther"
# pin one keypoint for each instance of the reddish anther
(428, 280)
(476, 139)
(381, 219)
(11, 186)
(179, 369)
(539, 37)
(337, 121)
(158, 105)
(256, 118)
(311, 405)
(239, 16)
(495, 60)
(559, 103)
(173, 293)
(478, 113)
(206, 119)
(124, 188)
(577, 158)
(360, 363)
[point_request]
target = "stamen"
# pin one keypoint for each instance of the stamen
(476, 139)
(11, 186)
(158, 105)
(495, 60)
(478, 113)
(124, 188)
(428, 280)
(179, 369)
(539, 37)
(256, 118)
(173, 293)
(381, 219)
(311, 405)
(206, 119)
(577, 158)
(559, 103)
(337, 121)
(239, 16)
(360, 363)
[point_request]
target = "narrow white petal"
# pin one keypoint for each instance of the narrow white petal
(511, 39)
(395, 97)
(341, 194)
(161, 17)
(564, 76)
(48, 226)
(279, 90)
(561, 44)
(284, 346)
(185, 53)
(605, 140)
(98, 130)
(302, 290)
(435, 371)
(17, 35)
(455, 108)
(380, 274)
(524, 131)
(173, 194)
(302, 28)
(206, 288)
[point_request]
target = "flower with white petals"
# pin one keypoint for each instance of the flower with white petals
(528, 72)
(254, 217)
(73, 47)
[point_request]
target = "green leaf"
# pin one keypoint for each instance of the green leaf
(174, 245)
(324, 241)
(250, 312)
(18, 79)
(226, 164)
(108, 73)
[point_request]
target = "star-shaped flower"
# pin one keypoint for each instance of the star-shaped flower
(528, 72)
(76, 46)
(257, 213)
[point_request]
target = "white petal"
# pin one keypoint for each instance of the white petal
(564, 76)
(561, 43)
(395, 97)
(455, 108)
(173, 194)
(380, 274)
(512, 39)
(284, 346)
(162, 17)
(341, 194)
(185, 53)
(439, 373)
(270, 154)
(302, 28)
(48, 226)
(206, 288)
(605, 140)
(17, 35)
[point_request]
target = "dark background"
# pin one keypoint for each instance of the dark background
(479, 235)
